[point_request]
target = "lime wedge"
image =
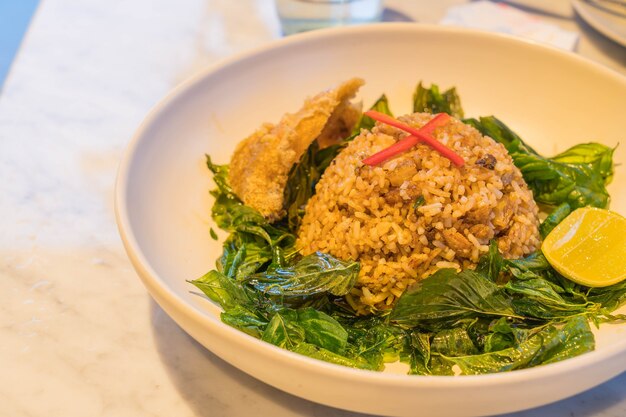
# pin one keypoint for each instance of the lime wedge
(589, 247)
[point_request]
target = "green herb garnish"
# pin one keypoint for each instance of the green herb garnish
(419, 202)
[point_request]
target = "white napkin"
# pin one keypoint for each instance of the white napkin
(498, 17)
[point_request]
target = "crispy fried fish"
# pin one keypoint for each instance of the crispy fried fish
(260, 165)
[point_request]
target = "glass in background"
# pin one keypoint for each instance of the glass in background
(303, 15)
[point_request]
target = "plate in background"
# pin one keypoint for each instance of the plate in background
(553, 99)
(610, 24)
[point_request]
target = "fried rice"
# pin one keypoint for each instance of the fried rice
(417, 213)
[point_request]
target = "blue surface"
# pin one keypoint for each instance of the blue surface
(15, 15)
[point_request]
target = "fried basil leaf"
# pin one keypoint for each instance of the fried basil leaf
(303, 177)
(492, 263)
(431, 100)
(554, 218)
(453, 342)
(446, 297)
(551, 344)
(365, 122)
(313, 274)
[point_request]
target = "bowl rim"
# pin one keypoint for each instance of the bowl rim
(164, 295)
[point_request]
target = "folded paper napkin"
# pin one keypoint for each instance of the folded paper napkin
(498, 17)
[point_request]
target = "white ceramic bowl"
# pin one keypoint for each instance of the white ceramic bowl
(551, 98)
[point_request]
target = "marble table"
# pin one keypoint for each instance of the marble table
(79, 335)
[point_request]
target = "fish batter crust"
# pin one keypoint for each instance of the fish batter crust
(260, 166)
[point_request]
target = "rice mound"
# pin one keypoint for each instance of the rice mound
(416, 213)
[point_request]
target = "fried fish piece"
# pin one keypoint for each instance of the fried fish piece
(260, 165)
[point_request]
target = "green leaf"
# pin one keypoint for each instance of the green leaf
(220, 177)
(551, 344)
(432, 101)
(502, 335)
(283, 330)
(554, 218)
(223, 290)
(538, 297)
(419, 202)
(498, 131)
(596, 156)
(303, 177)
(322, 330)
(243, 255)
(326, 355)
(453, 342)
(225, 199)
(373, 340)
(248, 320)
(573, 339)
(419, 360)
(491, 263)
(314, 274)
(301, 182)
(536, 266)
(554, 183)
(536, 262)
(365, 122)
(252, 246)
(610, 297)
(448, 296)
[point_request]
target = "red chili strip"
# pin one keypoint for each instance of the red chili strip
(416, 135)
(405, 143)
(397, 148)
